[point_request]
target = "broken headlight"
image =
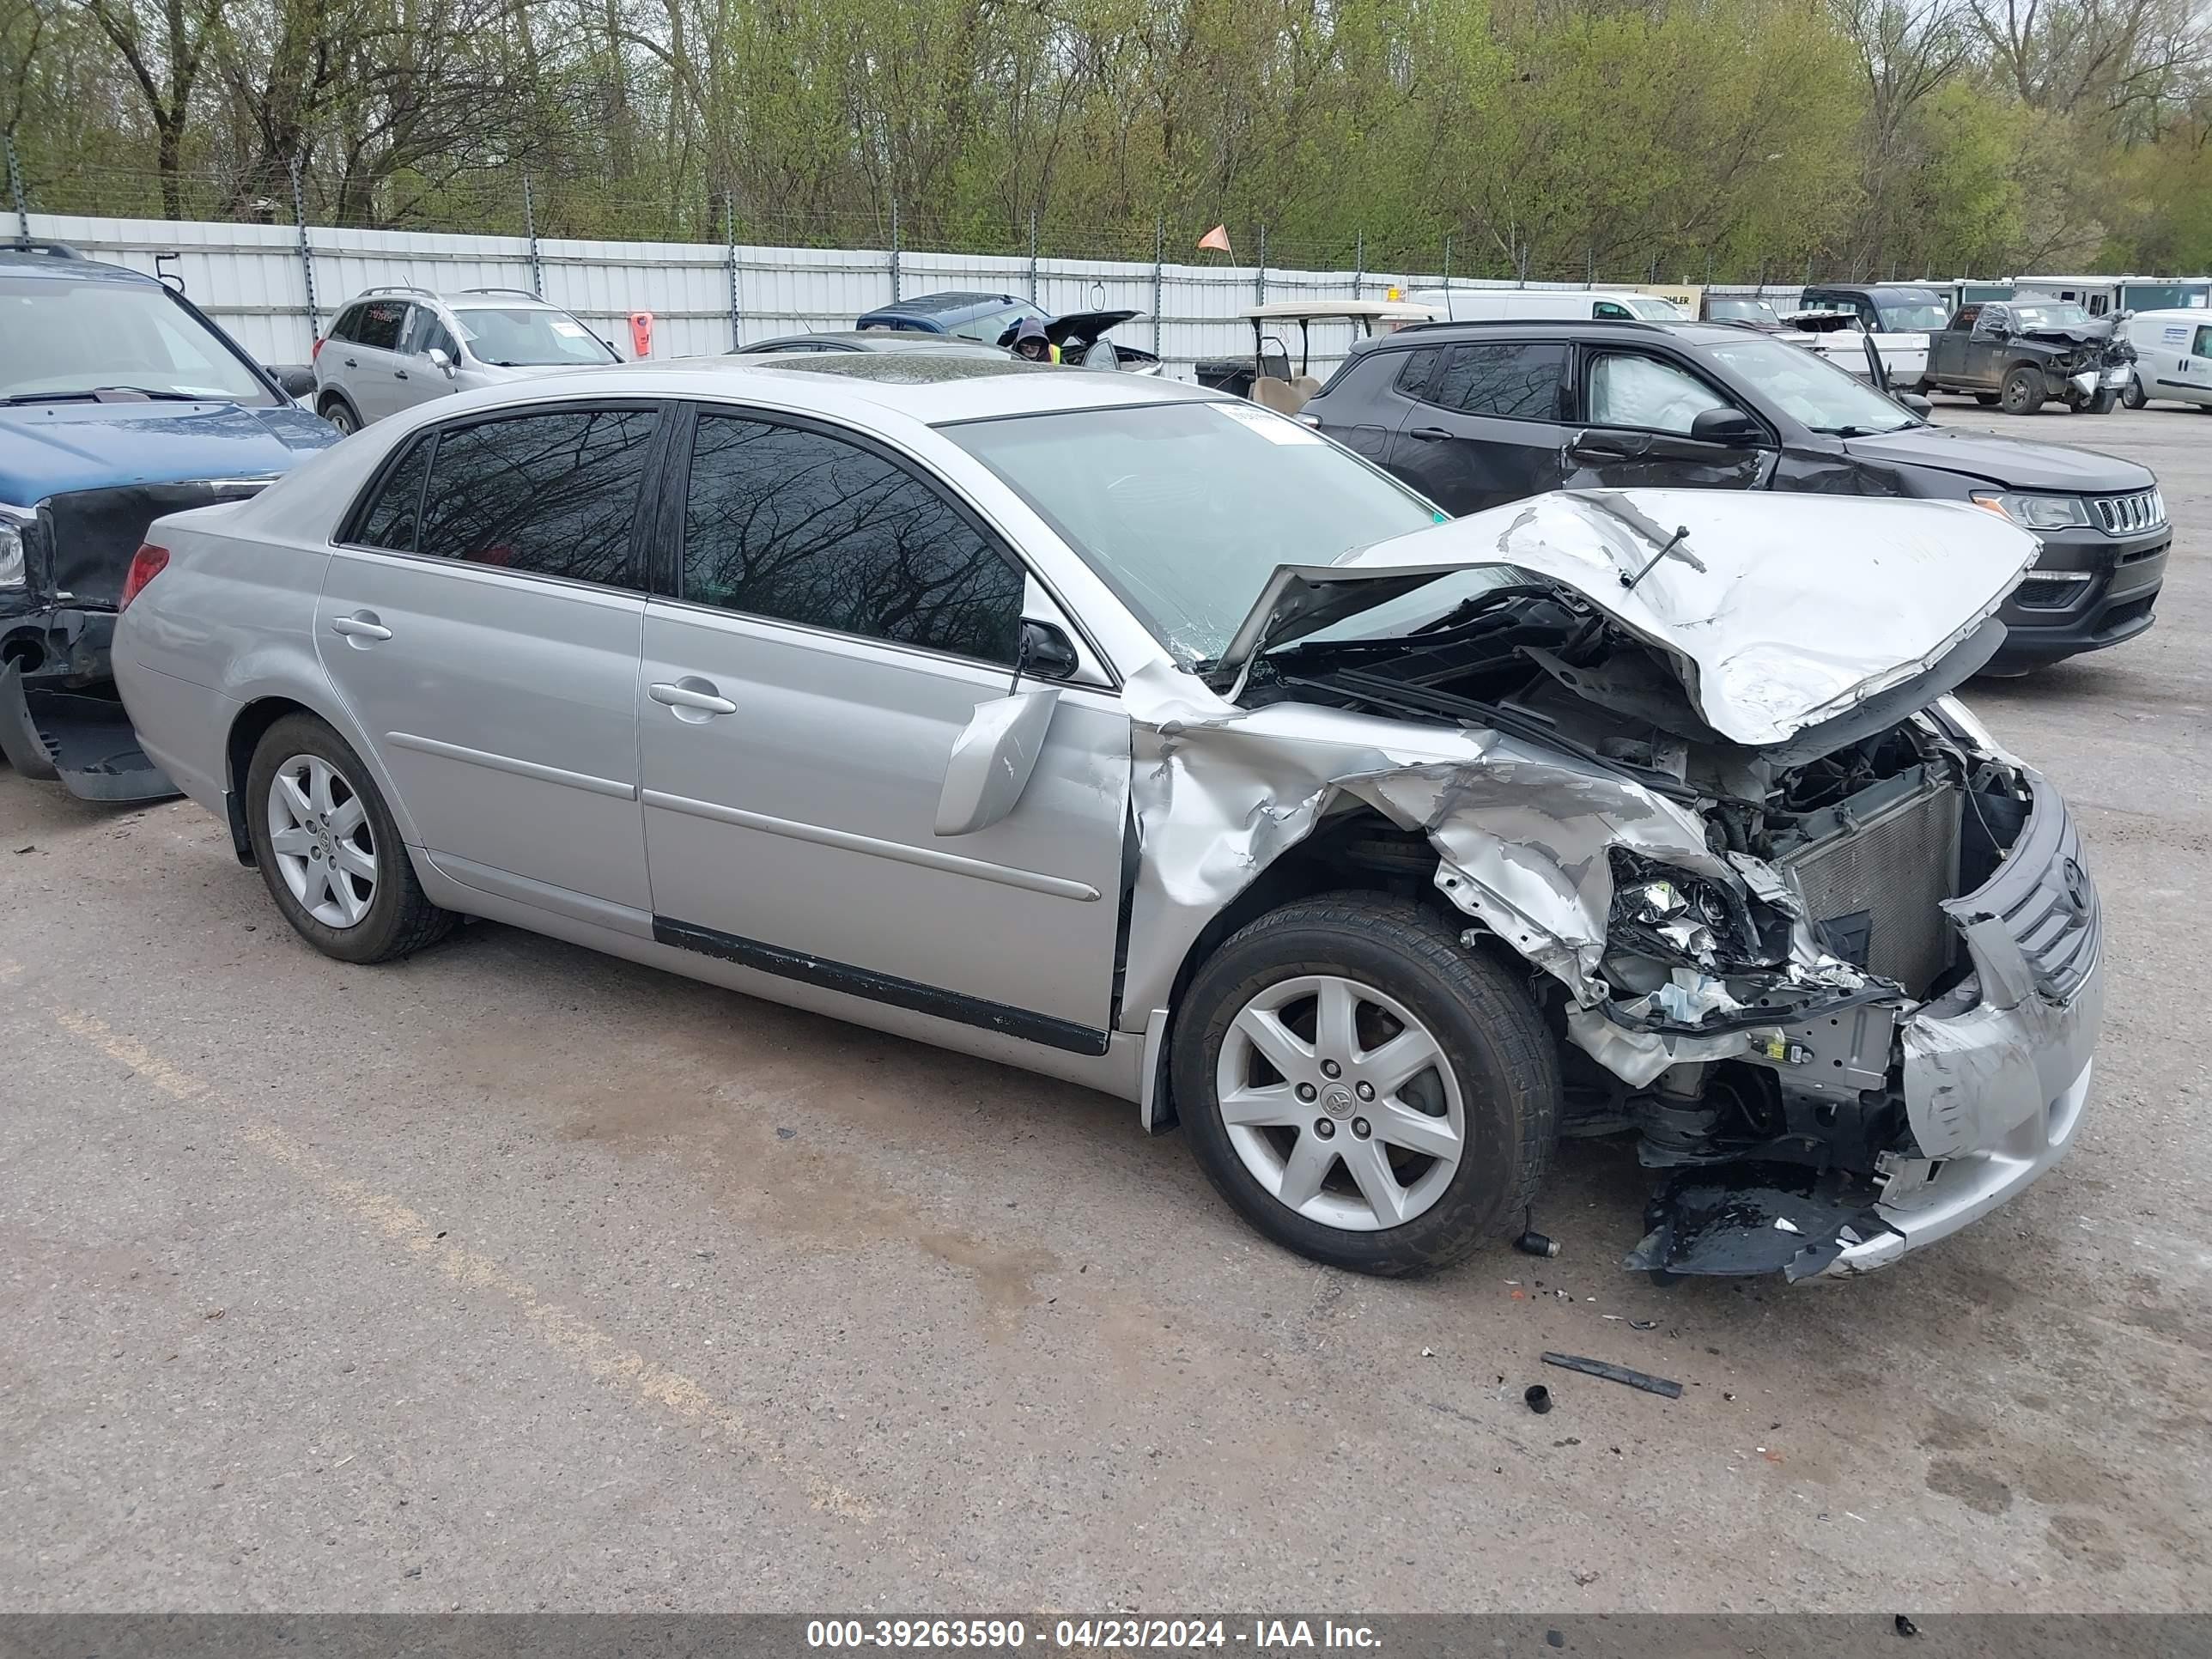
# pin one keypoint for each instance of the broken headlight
(2036, 512)
(1675, 916)
(12, 520)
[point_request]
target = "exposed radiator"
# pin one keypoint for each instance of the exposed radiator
(1895, 868)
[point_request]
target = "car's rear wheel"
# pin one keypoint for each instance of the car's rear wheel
(339, 413)
(1363, 1087)
(329, 850)
(2023, 391)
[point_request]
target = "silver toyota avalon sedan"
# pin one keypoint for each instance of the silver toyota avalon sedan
(1140, 737)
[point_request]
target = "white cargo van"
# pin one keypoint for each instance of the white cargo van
(1514, 305)
(2173, 357)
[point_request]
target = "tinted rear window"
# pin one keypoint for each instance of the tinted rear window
(1518, 380)
(552, 495)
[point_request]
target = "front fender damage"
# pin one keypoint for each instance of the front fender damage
(1528, 843)
(1524, 838)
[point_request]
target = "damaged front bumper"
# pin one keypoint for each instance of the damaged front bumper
(61, 722)
(1995, 1076)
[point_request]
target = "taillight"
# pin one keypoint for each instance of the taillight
(148, 562)
(316, 349)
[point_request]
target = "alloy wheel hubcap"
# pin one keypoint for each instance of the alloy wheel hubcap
(1340, 1103)
(319, 836)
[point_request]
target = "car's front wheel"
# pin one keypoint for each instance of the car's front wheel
(2099, 403)
(2133, 395)
(329, 849)
(2023, 391)
(1363, 1087)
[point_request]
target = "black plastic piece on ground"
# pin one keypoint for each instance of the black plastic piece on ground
(1906, 1627)
(1611, 1373)
(1539, 1398)
(1536, 1243)
(82, 740)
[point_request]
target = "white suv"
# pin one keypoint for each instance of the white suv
(393, 348)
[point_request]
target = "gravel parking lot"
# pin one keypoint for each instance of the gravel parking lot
(514, 1276)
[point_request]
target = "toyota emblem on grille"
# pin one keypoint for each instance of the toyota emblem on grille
(2077, 887)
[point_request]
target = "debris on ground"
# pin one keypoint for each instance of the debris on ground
(1643, 1324)
(1539, 1398)
(1536, 1243)
(1611, 1373)
(1428, 1353)
(1906, 1627)
(787, 1135)
(32, 848)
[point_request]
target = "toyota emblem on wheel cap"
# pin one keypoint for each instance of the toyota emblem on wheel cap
(1336, 1100)
(2077, 887)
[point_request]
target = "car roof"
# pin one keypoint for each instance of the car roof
(1525, 328)
(65, 264)
(940, 304)
(932, 388)
(868, 339)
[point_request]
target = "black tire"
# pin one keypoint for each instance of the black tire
(401, 920)
(2133, 395)
(2099, 402)
(340, 414)
(1986, 399)
(1484, 1023)
(2023, 390)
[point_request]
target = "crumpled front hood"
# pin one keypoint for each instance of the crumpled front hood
(49, 449)
(1776, 613)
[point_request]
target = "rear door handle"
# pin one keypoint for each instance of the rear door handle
(398, 374)
(683, 695)
(361, 626)
(1430, 434)
(352, 363)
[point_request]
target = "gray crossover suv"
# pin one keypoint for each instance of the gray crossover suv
(1136, 735)
(393, 347)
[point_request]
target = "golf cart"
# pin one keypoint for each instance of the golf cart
(1266, 376)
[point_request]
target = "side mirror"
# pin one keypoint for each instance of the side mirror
(991, 760)
(441, 358)
(1726, 426)
(293, 380)
(1045, 652)
(1916, 403)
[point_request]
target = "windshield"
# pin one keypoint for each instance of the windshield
(1912, 314)
(1741, 310)
(1651, 308)
(72, 337)
(2062, 313)
(1811, 388)
(1186, 508)
(525, 337)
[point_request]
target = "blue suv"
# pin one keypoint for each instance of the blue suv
(119, 401)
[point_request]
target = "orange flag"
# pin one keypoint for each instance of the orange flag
(1217, 238)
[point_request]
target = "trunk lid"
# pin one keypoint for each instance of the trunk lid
(1775, 613)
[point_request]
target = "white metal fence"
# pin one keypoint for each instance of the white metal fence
(275, 288)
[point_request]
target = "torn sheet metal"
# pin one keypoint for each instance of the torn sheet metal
(1523, 833)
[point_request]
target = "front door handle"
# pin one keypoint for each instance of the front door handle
(362, 625)
(1430, 434)
(691, 693)
(398, 374)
